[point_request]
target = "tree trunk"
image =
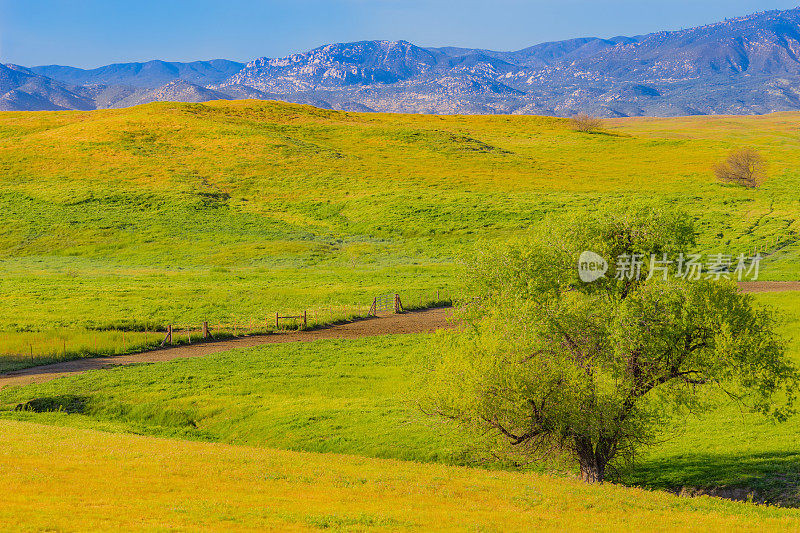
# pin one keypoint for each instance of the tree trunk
(592, 472)
(593, 465)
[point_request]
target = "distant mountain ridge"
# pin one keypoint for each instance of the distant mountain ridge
(149, 75)
(747, 65)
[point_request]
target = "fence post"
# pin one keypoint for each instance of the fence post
(397, 303)
(305, 319)
(168, 337)
(205, 330)
(277, 317)
(189, 334)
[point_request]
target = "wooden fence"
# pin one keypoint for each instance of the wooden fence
(278, 318)
(133, 339)
(384, 304)
(170, 331)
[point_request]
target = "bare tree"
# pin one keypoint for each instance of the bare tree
(586, 123)
(745, 167)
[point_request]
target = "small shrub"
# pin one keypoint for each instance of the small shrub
(745, 167)
(586, 123)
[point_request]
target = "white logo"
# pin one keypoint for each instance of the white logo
(591, 267)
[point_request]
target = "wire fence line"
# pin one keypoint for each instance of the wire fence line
(21, 349)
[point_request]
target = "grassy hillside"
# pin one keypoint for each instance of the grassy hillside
(68, 479)
(343, 396)
(357, 397)
(228, 211)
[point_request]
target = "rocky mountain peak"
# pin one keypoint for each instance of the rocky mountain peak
(744, 65)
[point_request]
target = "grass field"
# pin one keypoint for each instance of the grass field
(229, 211)
(357, 397)
(344, 396)
(115, 223)
(33, 348)
(72, 479)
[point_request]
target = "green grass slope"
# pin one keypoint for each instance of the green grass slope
(229, 211)
(343, 396)
(357, 397)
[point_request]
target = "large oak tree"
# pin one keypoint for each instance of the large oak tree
(554, 365)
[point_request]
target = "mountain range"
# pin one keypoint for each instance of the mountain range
(747, 65)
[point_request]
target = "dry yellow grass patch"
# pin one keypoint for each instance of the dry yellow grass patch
(67, 479)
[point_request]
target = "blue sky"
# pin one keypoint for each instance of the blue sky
(90, 33)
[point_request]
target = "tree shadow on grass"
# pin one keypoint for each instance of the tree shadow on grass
(769, 477)
(66, 403)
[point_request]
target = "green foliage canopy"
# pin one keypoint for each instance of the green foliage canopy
(554, 365)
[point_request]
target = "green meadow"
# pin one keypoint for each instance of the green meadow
(357, 397)
(226, 212)
(115, 223)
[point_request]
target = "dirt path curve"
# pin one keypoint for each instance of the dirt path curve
(769, 286)
(411, 322)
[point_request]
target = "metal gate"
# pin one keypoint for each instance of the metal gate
(388, 303)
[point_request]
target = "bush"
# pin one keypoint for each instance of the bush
(586, 123)
(744, 167)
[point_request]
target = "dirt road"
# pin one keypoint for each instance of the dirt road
(769, 286)
(411, 322)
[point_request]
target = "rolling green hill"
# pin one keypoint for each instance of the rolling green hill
(113, 223)
(228, 211)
